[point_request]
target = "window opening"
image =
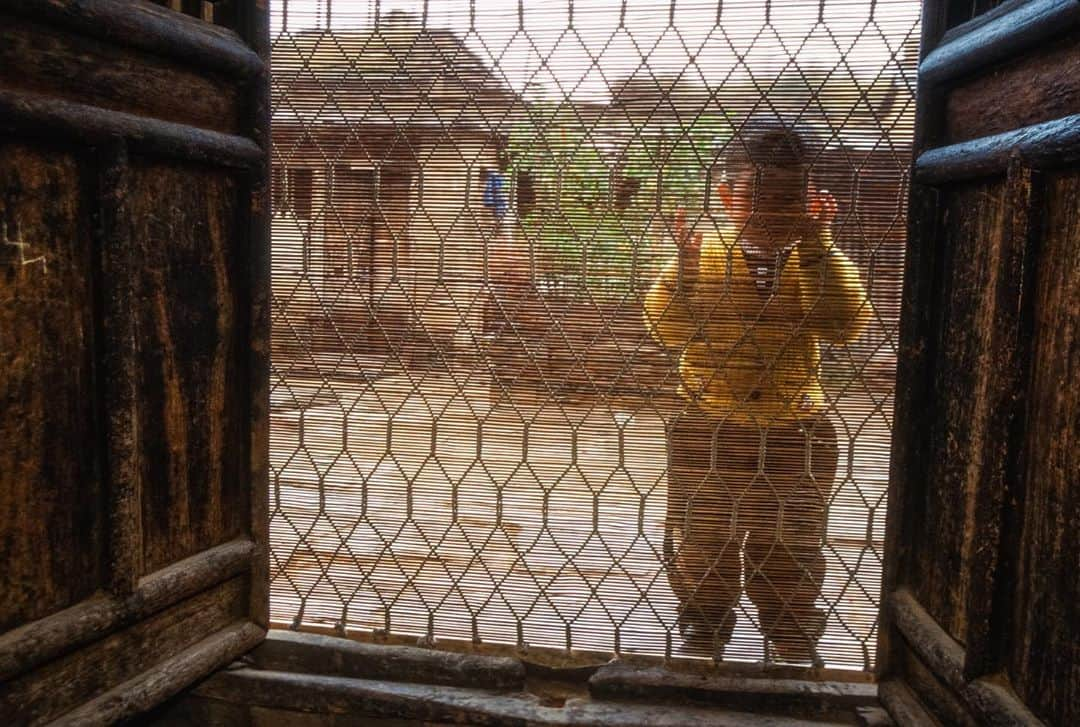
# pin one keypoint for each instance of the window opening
(292, 189)
(584, 321)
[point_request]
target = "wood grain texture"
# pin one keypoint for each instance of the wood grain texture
(903, 706)
(935, 695)
(805, 698)
(1045, 660)
(1047, 145)
(1003, 33)
(50, 119)
(192, 360)
(116, 367)
(339, 697)
(987, 533)
(317, 654)
(1041, 86)
(65, 65)
(50, 485)
(987, 700)
(38, 642)
(125, 285)
(148, 27)
(61, 685)
(965, 366)
(997, 425)
(147, 689)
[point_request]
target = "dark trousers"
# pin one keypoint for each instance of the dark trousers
(759, 493)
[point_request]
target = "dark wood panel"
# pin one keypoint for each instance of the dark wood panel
(964, 327)
(50, 488)
(1045, 663)
(77, 68)
(126, 292)
(988, 534)
(54, 689)
(997, 425)
(192, 360)
(1042, 86)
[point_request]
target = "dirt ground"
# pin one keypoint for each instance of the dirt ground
(437, 502)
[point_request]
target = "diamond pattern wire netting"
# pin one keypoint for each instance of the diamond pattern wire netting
(470, 406)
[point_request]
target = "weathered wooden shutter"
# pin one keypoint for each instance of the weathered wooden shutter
(982, 587)
(134, 269)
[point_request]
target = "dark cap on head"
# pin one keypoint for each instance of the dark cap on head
(769, 140)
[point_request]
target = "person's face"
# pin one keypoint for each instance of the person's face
(768, 204)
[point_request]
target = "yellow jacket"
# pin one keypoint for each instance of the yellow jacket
(746, 356)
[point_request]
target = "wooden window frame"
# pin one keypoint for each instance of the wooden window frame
(130, 597)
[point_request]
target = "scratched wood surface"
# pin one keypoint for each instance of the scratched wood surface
(46, 389)
(1044, 663)
(49, 692)
(984, 537)
(1040, 86)
(131, 246)
(39, 59)
(945, 535)
(191, 360)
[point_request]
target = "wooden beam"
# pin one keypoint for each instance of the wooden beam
(49, 117)
(806, 697)
(255, 29)
(333, 656)
(166, 679)
(150, 28)
(119, 406)
(35, 643)
(363, 698)
(970, 47)
(1047, 145)
(989, 697)
(904, 706)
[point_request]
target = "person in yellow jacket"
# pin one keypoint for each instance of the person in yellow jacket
(751, 461)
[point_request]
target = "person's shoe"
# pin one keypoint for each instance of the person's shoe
(800, 652)
(696, 631)
(796, 642)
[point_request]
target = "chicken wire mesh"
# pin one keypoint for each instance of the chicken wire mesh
(482, 427)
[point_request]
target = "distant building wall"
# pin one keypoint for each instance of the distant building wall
(455, 241)
(418, 272)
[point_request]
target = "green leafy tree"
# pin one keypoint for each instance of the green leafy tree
(606, 194)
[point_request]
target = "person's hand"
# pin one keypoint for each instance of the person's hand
(689, 244)
(821, 210)
(688, 241)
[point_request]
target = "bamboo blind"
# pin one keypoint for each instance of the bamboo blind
(470, 415)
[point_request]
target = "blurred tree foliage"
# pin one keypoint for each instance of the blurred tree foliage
(603, 195)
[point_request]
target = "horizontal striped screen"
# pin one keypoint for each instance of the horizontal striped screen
(585, 320)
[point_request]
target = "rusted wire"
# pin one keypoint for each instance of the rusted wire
(471, 417)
